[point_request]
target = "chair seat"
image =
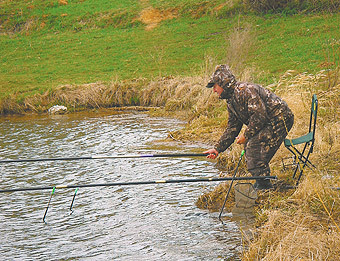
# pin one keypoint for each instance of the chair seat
(303, 139)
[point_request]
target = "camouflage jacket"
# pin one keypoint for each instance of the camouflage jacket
(254, 106)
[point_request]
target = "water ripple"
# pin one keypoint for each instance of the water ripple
(150, 222)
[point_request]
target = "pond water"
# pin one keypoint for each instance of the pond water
(146, 222)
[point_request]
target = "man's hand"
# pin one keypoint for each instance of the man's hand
(241, 139)
(212, 153)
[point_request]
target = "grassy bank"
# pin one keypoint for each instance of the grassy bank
(304, 223)
(92, 54)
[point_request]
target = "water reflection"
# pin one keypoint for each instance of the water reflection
(150, 222)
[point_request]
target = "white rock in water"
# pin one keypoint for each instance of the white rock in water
(57, 109)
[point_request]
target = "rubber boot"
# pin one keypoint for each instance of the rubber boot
(262, 184)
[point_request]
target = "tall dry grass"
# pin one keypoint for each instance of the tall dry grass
(94, 95)
(304, 225)
(298, 227)
(297, 90)
(240, 42)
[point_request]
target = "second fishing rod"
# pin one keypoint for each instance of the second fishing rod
(98, 157)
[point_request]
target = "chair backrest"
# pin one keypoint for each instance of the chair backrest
(314, 108)
(313, 115)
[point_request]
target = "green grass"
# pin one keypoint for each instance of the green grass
(299, 42)
(102, 41)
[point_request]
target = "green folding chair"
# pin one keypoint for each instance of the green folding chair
(306, 142)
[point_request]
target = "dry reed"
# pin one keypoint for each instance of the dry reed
(305, 224)
(213, 200)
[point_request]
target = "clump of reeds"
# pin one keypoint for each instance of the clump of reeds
(94, 95)
(173, 94)
(9, 105)
(297, 90)
(214, 199)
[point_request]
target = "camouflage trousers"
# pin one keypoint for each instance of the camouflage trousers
(261, 148)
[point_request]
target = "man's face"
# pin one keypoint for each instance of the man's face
(218, 89)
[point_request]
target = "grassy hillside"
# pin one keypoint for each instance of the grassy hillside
(44, 44)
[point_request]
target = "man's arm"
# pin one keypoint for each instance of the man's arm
(233, 129)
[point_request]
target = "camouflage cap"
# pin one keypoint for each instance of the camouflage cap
(222, 76)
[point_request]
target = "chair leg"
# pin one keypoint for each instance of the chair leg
(296, 168)
(303, 167)
(296, 159)
(301, 157)
(304, 148)
(304, 160)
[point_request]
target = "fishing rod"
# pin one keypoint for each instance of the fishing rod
(124, 184)
(96, 157)
(134, 183)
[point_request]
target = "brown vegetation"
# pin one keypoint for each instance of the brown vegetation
(304, 225)
(213, 200)
(62, 2)
(152, 16)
